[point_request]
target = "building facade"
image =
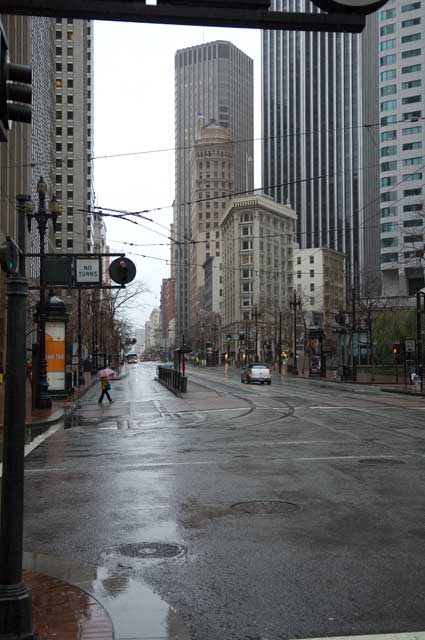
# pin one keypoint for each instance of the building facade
(257, 268)
(212, 171)
(74, 135)
(401, 144)
(213, 84)
(319, 276)
(317, 155)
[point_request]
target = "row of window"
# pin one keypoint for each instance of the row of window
(388, 212)
(388, 29)
(391, 74)
(412, 116)
(391, 89)
(392, 196)
(390, 105)
(388, 243)
(391, 43)
(392, 165)
(390, 227)
(389, 14)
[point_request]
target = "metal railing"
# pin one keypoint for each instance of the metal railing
(172, 378)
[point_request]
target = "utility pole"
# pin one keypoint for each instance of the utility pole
(15, 598)
(280, 342)
(80, 344)
(294, 304)
(419, 336)
(353, 329)
(256, 333)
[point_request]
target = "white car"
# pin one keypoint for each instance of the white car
(257, 372)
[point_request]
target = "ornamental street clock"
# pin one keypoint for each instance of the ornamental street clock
(349, 6)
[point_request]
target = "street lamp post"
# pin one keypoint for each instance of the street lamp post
(42, 216)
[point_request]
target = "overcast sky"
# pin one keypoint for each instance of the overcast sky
(134, 114)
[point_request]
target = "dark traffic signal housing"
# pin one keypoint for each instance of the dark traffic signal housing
(15, 90)
(9, 255)
(395, 350)
(122, 270)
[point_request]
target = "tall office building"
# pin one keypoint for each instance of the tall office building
(74, 135)
(213, 83)
(402, 139)
(316, 152)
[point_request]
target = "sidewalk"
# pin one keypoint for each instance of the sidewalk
(64, 612)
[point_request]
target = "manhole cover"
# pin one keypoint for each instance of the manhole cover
(145, 550)
(265, 507)
(387, 462)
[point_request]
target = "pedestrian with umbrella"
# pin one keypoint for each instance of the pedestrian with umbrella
(105, 385)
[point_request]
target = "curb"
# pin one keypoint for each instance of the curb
(60, 413)
(402, 392)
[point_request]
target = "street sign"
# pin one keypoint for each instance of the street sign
(410, 345)
(88, 271)
(58, 271)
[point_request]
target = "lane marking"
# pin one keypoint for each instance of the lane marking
(418, 635)
(149, 465)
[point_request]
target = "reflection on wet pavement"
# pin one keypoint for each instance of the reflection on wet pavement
(135, 610)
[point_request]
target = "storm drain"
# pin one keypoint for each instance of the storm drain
(382, 462)
(144, 551)
(265, 507)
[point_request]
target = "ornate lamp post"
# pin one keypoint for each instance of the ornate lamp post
(42, 216)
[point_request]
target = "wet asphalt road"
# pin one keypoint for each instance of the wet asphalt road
(301, 507)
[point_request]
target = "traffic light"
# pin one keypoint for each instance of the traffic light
(9, 255)
(350, 6)
(122, 270)
(228, 337)
(15, 90)
(395, 350)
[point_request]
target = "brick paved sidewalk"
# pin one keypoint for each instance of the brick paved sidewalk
(64, 612)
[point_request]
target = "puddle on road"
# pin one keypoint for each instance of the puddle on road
(135, 610)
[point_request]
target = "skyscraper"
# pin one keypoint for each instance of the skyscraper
(316, 152)
(74, 134)
(213, 83)
(402, 140)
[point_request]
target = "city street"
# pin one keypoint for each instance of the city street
(255, 512)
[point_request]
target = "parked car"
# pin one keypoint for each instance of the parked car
(256, 372)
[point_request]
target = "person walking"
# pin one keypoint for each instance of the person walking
(105, 386)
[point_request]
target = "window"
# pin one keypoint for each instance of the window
(387, 14)
(389, 242)
(391, 74)
(311, 273)
(59, 66)
(389, 166)
(411, 68)
(388, 29)
(389, 151)
(413, 223)
(298, 260)
(58, 83)
(410, 38)
(388, 120)
(412, 192)
(412, 145)
(58, 51)
(312, 286)
(411, 53)
(70, 147)
(388, 135)
(69, 244)
(70, 67)
(70, 131)
(389, 257)
(69, 226)
(410, 7)
(410, 131)
(70, 84)
(389, 196)
(410, 23)
(299, 275)
(412, 115)
(389, 181)
(311, 259)
(58, 115)
(388, 212)
(389, 227)
(388, 90)
(415, 238)
(411, 84)
(388, 44)
(413, 207)
(388, 105)
(389, 59)
(59, 146)
(70, 99)
(411, 99)
(408, 162)
(58, 243)
(410, 177)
